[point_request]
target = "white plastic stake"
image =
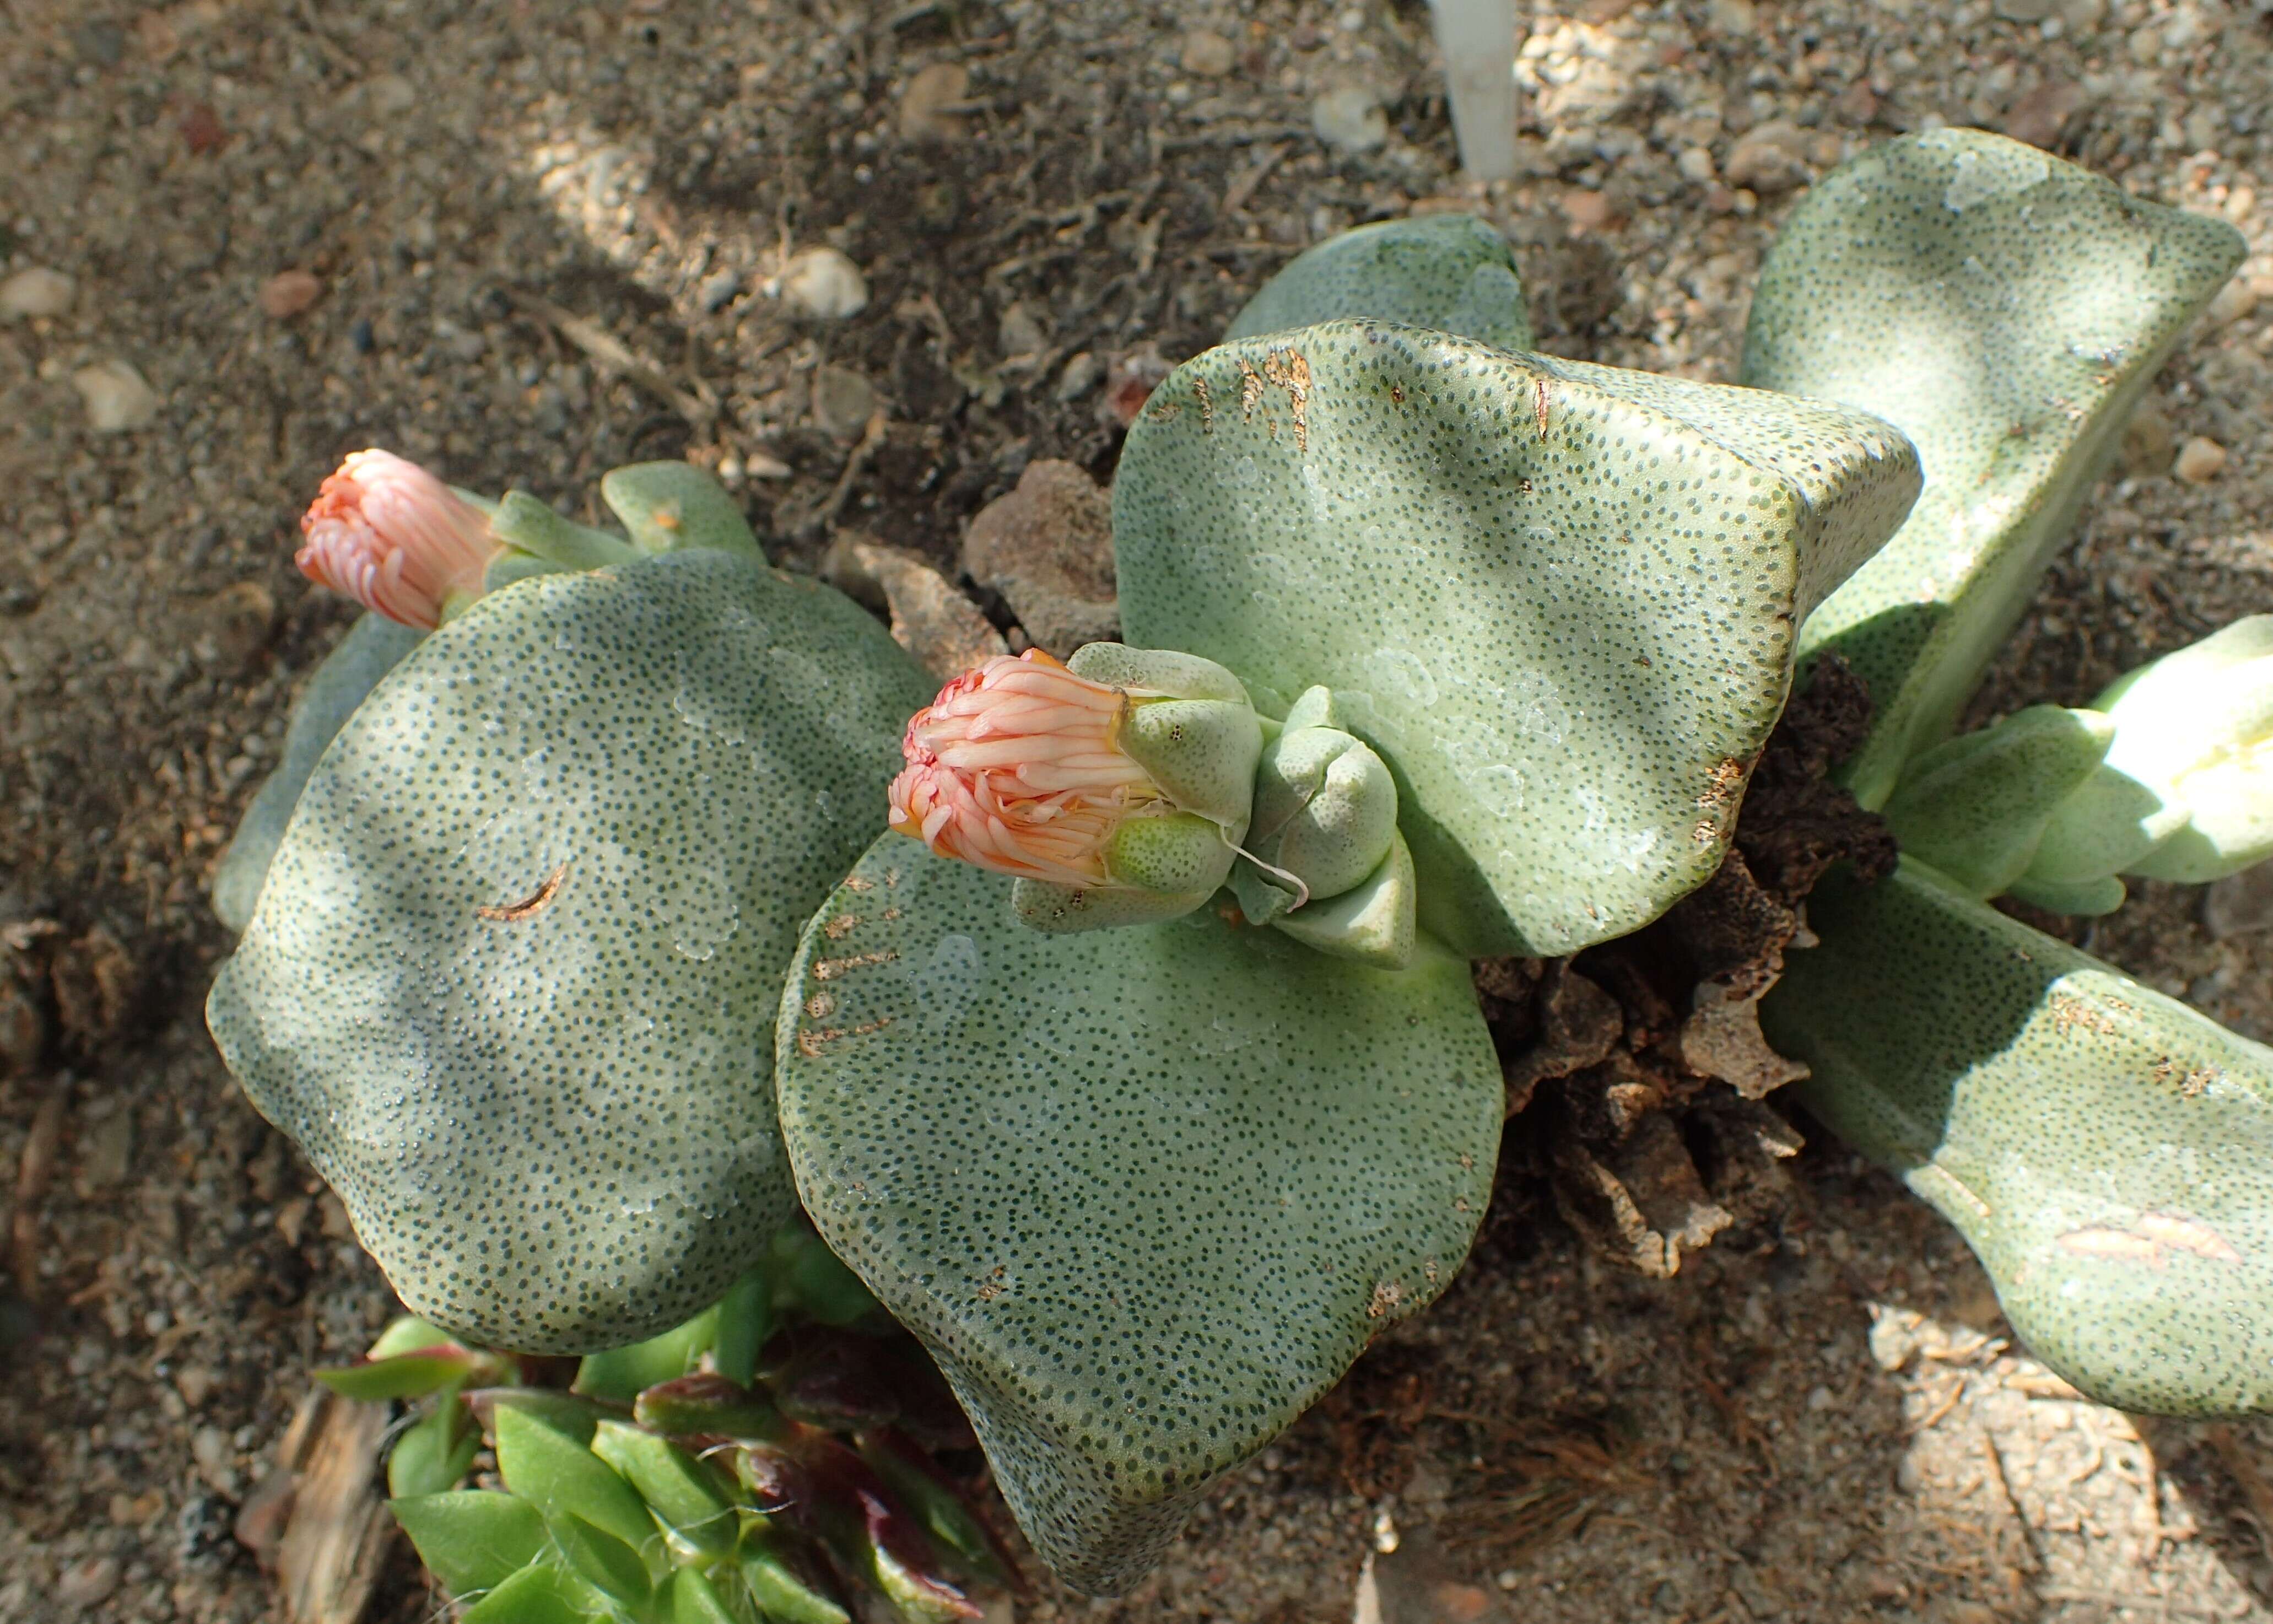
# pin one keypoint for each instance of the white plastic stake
(1478, 40)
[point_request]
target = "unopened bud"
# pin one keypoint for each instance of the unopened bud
(1114, 788)
(390, 535)
(2196, 727)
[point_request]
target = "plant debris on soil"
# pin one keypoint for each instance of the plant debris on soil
(870, 264)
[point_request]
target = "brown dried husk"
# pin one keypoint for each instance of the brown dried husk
(1636, 1074)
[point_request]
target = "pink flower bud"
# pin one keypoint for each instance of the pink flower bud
(1016, 767)
(388, 534)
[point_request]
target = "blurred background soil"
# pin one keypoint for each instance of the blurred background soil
(525, 242)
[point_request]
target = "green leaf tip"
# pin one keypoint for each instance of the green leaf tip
(2005, 309)
(1143, 1194)
(677, 506)
(1446, 273)
(1503, 565)
(2107, 1151)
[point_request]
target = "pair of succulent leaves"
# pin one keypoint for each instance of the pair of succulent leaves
(550, 895)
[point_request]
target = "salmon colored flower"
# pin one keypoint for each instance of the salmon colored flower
(1017, 767)
(388, 534)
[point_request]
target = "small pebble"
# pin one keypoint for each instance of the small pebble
(1208, 54)
(117, 398)
(1589, 211)
(36, 292)
(2239, 903)
(1085, 370)
(87, 1584)
(1696, 164)
(1769, 157)
(1350, 120)
(288, 293)
(821, 281)
(2199, 460)
(926, 104)
(716, 290)
(842, 402)
(1021, 333)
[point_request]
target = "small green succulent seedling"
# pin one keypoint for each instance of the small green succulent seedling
(1147, 1083)
(769, 1459)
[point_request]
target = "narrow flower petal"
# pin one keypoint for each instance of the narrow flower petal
(1015, 768)
(390, 535)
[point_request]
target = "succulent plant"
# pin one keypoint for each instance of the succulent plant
(769, 1459)
(1147, 1082)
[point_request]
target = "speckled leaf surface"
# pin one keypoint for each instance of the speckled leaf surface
(1447, 273)
(2005, 309)
(2107, 1151)
(372, 647)
(1558, 598)
(512, 982)
(1145, 1193)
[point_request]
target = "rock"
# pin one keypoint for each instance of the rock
(716, 290)
(928, 103)
(1731, 20)
(23, 1027)
(942, 627)
(36, 292)
(1769, 157)
(2238, 300)
(843, 402)
(288, 293)
(1129, 383)
(1696, 164)
(2239, 903)
(1208, 54)
(229, 629)
(2040, 116)
(1588, 211)
(1020, 332)
(1350, 120)
(1047, 548)
(821, 281)
(1857, 104)
(87, 1584)
(1085, 370)
(119, 400)
(2199, 460)
(2146, 440)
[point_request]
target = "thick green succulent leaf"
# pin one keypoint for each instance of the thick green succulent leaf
(683, 1493)
(471, 1539)
(436, 1453)
(1558, 598)
(374, 646)
(541, 1594)
(2107, 1151)
(622, 1373)
(1974, 808)
(1447, 273)
(1144, 1193)
(511, 981)
(2005, 309)
(676, 507)
(563, 1478)
(695, 1600)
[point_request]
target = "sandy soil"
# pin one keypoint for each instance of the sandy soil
(537, 241)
